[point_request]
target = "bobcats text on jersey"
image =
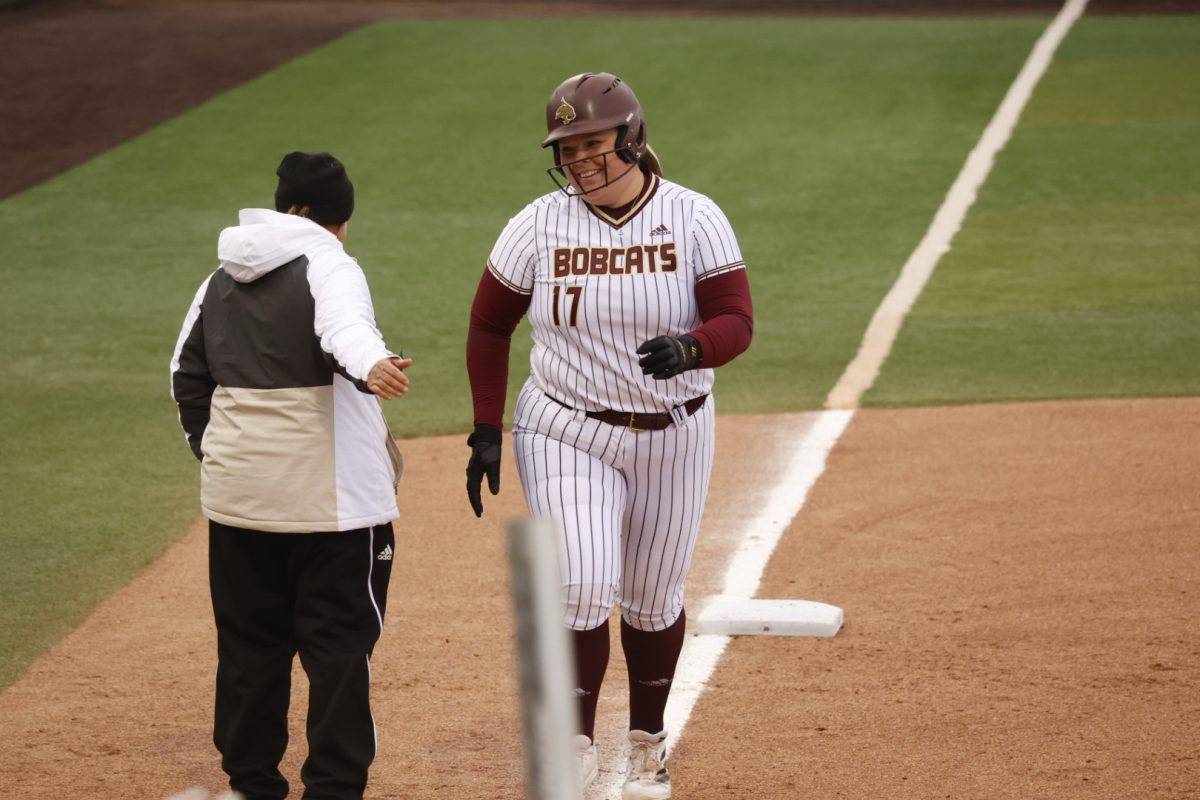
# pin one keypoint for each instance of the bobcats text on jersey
(639, 258)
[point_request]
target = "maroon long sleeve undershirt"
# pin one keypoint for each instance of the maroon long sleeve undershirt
(725, 308)
(728, 315)
(494, 316)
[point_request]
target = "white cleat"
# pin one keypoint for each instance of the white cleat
(647, 777)
(194, 793)
(586, 763)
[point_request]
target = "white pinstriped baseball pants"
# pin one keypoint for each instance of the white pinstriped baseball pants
(626, 506)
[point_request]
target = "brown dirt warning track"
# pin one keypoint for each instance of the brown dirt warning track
(1019, 581)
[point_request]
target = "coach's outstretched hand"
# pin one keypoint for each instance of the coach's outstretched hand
(666, 356)
(387, 379)
(485, 459)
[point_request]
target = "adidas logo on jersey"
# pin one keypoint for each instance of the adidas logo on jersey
(386, 553)
(661, 230)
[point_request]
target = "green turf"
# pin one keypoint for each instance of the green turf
(1077, 273)
(828, 143)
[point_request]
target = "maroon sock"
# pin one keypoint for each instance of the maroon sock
(651, 657)
(591, 660)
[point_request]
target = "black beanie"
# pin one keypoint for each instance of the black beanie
(316, 180)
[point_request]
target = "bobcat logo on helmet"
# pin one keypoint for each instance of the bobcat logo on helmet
(565, 113)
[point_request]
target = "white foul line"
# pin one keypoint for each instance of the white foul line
(759, 538)
(885, 325)
(761, 535)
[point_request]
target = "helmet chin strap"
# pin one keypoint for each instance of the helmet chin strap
(567, 188)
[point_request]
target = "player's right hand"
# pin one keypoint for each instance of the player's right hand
(485, 460)
(666, 356)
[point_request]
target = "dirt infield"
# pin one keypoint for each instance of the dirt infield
(78, 78)
(1019, 581)
(1020, 597)
(1020, 592)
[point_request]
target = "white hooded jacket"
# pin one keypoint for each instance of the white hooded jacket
(269, 374)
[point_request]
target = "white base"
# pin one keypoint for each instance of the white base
(743, 616)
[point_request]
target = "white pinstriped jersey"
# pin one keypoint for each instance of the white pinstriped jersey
(598, 291)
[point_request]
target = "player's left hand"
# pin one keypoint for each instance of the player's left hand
(666, 356)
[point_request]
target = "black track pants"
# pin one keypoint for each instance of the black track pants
(321, 595)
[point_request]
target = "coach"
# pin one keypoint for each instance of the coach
(273, 374)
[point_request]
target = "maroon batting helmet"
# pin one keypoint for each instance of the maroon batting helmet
(597, 101)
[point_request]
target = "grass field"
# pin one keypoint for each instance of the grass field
(1077, 274)
(828, 143)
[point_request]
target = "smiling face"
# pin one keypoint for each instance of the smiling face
(595, 170)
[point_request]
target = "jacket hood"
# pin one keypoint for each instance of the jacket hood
(264, 240)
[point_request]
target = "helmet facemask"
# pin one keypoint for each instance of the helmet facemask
(626, 152)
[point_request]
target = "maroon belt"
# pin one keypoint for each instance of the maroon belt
(641, 422)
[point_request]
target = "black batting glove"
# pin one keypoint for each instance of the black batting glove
(485, 460)
(666, 356)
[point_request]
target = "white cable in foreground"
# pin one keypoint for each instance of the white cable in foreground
(881, 334)
(549, 713)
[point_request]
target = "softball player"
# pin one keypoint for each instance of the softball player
(635, 289)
